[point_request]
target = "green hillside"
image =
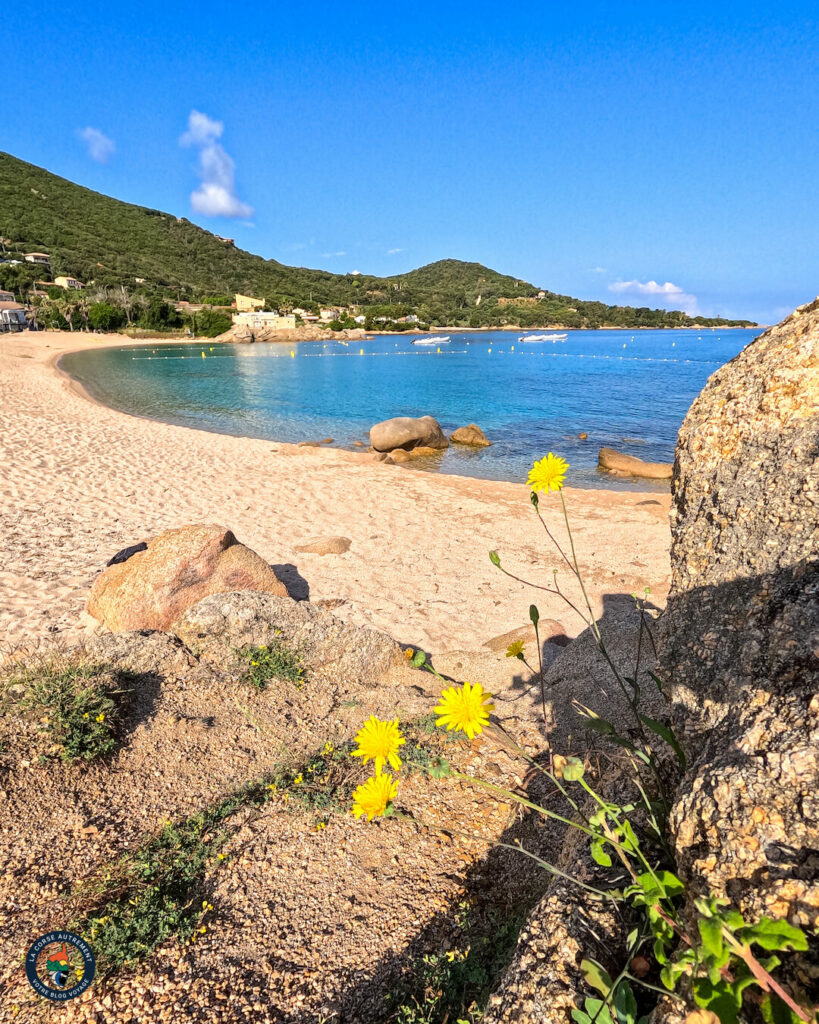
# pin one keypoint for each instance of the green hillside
(107, 243)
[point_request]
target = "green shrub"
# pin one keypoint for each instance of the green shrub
(275, 660)
(79, 704)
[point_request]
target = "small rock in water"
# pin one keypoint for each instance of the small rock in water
(471, 435)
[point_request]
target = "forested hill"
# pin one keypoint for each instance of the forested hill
(105, 242)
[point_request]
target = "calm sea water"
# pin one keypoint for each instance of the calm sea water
(628, 392)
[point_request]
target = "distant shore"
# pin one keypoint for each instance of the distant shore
(79, 481)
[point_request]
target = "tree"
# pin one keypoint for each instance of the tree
(102, 316)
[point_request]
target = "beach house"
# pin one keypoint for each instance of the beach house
(271, 321)
(246, 303)
(12, 316)
(37, 257)
(69, 283)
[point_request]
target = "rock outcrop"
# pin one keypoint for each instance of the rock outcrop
(619, 464)
(740, 642)
(470, 435)
(152, 587)
(241, 334)
(407, 432)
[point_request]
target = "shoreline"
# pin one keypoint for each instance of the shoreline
(80, 480)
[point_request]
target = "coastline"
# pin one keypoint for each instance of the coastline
(79, 481)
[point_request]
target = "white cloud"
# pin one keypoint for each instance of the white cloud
(598, 270)
(100, 147)
(392, 252)
(675, 296)
(216, 196)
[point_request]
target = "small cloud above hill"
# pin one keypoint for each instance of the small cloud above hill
(216, 196)
(675, 297)
(100, 147)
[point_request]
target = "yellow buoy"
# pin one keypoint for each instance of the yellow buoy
(203, 355)
(292, 354)
(513, 348)
(490, 351)
(361, 351)
(438, 350)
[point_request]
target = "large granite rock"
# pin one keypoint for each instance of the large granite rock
(152, 587)
(619, 464)
(741, 633)
(408, 433)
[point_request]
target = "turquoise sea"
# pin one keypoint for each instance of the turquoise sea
(627, 391)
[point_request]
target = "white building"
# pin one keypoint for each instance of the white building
(271, 321)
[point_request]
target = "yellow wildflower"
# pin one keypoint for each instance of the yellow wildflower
(100, 717)
(299, 778)
(254, 663)
(409, 653)
(379, 741)
(85, 715)
(374, 796)
(559, 762)
(221, 856)
(328, 748)
(547, 474)
(465, 708)
(515, 650)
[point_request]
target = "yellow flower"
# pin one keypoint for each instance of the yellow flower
(465, 708)
(409, 653)
(373, 797)
(299, 778)
(379, 741)
(328, 748)
(85, 715)
(221, 856)
(547, 475)
(100, 718)
(254, 663)
(515, 650)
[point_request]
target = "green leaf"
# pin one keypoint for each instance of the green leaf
(667, 734)
(419, 659)
(770, 934)
(494, 558)
(596, 976)
(599, 854)
(717, 998)
(596, 1008)
(580, 1018)
(625, 1005)
(533, 498)
(591, 720)
(711, 934)
(775, 1011)
(534, 614)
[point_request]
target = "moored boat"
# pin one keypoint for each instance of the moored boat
(432, 341)
(542, 337)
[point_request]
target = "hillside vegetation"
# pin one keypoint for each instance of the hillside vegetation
(108, 244)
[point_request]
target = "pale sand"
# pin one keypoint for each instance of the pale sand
(79, 481)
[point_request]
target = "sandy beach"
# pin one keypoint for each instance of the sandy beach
(79, 481)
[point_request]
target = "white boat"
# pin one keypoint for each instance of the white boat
(432, 341)
(542, 337)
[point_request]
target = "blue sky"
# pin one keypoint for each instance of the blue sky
(655, 154)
